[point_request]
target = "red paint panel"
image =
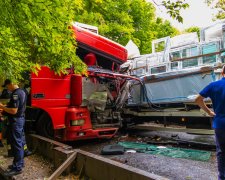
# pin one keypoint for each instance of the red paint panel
(58, 115)
(45, 103)
(72, 132)
(90, 134)
(76, 90)
(45, 72)
(101, 44)
(49, 89)
(76, 114)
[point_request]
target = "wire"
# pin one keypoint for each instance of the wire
(150, 104)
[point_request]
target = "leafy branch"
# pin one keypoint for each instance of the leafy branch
(173, 8)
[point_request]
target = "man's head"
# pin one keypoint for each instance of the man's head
(8, 84)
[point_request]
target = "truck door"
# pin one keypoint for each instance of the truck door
(51, 93)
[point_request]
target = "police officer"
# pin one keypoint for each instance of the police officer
(15, 111)
(6, 95)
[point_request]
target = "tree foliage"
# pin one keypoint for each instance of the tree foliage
(174, 7)
(34, 33)
(126, 19)
(193, 29)
(220, 6)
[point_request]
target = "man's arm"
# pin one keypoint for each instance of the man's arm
(200, 101)
(8, 110)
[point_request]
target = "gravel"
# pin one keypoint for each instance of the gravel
(172, 168)
(36, 168)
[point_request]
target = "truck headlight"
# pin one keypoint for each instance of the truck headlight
(78, 122)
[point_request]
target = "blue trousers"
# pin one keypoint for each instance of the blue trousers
(220, 152)
(17, 142)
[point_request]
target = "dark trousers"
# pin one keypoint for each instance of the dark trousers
(8, 137)
(16, 142)
(220, 152)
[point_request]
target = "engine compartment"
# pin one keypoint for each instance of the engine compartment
(104, 93)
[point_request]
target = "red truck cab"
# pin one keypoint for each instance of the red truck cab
(71, 107)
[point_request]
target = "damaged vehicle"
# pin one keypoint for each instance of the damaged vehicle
(74, 107)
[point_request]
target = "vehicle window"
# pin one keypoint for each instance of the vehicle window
(190, 63)
(159, 69)
(194, 51)
(207, 49)
(185, 53)
(174, 65)
(175, 55)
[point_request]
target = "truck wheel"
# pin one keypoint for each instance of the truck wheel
(45, 127)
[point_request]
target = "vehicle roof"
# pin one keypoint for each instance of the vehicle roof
(100, 45)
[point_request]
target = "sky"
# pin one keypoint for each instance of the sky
(198, 14)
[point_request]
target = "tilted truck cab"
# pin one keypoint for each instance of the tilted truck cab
(71, 107)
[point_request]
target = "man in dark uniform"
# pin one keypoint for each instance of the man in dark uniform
(6, 94)
(15, 111)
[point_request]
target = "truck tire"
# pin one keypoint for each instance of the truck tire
(45, 127)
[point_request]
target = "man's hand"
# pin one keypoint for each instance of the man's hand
(8, 110)
(1, 106)
(211, 113)
(200, 101)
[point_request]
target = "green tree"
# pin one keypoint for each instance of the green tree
(110, 16)
(173, 7)
(126, 19)
(193, 29)
(34, 33)
(220, 6)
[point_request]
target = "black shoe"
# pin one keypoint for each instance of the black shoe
(27, 153)
(10, 166)
(10, 153)
(1, 144)
(12, 173)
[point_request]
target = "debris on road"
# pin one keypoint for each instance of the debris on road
(114, 149)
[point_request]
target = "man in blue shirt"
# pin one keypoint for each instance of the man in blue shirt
(216, 92)
(15, 110)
